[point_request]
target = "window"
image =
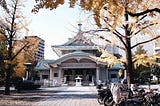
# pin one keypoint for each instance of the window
(67, 72)
(113, 75)
(55, 74)
(44, 76)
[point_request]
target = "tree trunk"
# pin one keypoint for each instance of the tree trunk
(128, 51)
(9, 68)
(7, 83)
(129, 68)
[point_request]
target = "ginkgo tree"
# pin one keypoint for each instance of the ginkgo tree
(124, 19)
(25, 55)
(143, 63)
(14, 25)
(3, 50)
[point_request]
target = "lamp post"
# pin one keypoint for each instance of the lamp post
(28, 66)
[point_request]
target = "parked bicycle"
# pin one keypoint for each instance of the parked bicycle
(133, 97)
(104, 94)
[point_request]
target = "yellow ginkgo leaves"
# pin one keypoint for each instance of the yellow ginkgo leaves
(138, 59)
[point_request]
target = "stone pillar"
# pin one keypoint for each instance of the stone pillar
(73, 74)
(59, 75)
(92, 79)
(50, 77)
(50, 74)
(97, 74)
(107, 75)
(65, 80)
(40, 75)
(125, 74)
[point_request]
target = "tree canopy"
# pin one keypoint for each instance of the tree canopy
(114, 10)
(110, 15)
(132, 22)
(13, 21)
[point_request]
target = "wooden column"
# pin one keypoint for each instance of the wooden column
(59, 75)
(97, 74)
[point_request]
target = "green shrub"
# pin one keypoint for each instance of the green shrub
(26, 85)
(154, 82)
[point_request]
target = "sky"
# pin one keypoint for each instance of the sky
(55, 27)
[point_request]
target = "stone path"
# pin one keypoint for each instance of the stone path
(72, 96)
(53, 96)
(56, 96)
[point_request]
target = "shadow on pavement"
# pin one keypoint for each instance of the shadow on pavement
(46, 93)
(74, 96)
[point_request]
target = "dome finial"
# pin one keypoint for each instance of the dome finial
(80, 27)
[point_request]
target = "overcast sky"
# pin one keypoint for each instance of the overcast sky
(55, 27)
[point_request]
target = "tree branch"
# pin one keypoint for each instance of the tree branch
(97, 30)
(146, 41)
(144, 28)
(144, 12)
(20, 50)
(133, 61)
(120, 39)
(4, 5)
(141, 18)
(118, 34)
(111, 42)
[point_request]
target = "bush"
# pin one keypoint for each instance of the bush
(2, 82)
(26, 85)
(154, 82)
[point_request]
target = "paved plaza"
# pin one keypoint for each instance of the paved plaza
(53, 96)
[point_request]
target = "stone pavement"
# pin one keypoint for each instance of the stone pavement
(53, 96)
(72, 96)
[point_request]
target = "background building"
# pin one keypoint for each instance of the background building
(39, 55)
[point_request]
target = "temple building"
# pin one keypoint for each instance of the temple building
(75, 61)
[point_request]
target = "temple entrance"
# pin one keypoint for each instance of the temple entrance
(90, 78)
(88, 75)
(68, 78)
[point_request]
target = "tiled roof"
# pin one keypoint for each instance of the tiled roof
(43, 64)
(117, 66)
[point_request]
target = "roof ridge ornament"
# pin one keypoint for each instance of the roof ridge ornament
(80, 28)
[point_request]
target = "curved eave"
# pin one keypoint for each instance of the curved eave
(44, 67)
(75, 55)
(59, 48)
(56, 50)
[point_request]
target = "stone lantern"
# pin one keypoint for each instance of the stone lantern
(28, 69)
(78, 81)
